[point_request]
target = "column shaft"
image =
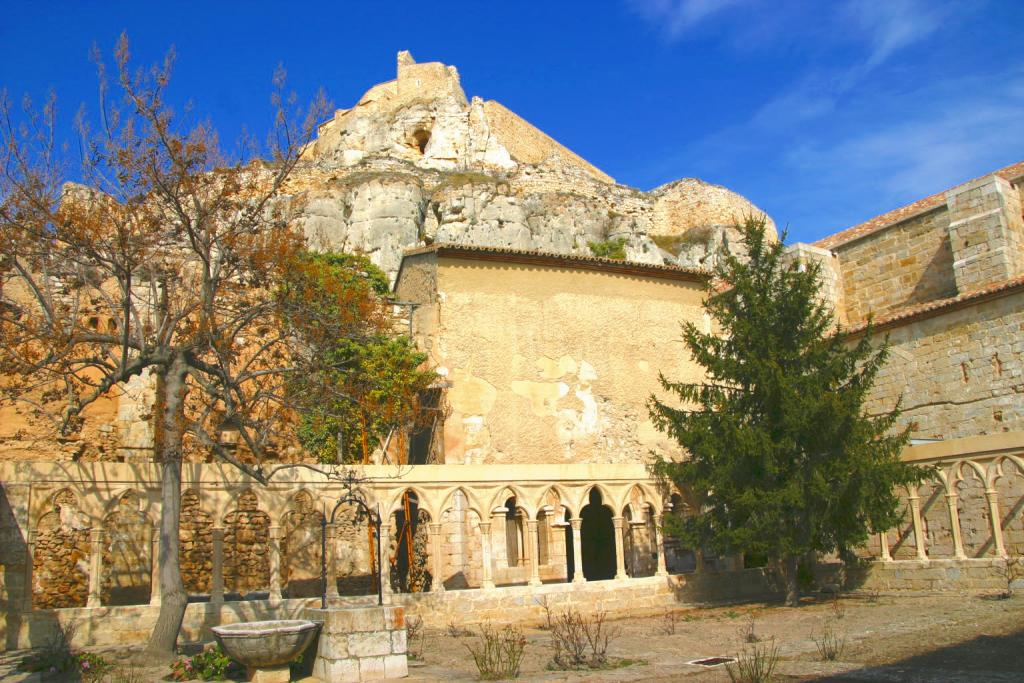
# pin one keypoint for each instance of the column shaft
(620, 546)
(95, 567)
(437, 559)
(487, 580)
(659, 546)
(217, 573)
(952, 501)
(577, 550)
(384, 563)
(997, 526)
(330, 556)
(274, 563)
(919, 540)
(883, 544)
(531, 527)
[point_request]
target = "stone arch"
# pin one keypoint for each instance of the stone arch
(552, 529)
(938, 530)
(510, 491)
(195, 534)
(638, 540)
(679, 559)
(905, 545)
(354, 550)
(972, 505)
(246, 541)
(301, 528)
(461, 551)
(409, 554)
(1009, 486)
(127, 552)
(60, 558)
(597, 538)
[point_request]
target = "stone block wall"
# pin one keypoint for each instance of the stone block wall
(959, 372)
(986, 232)
(360, 643)
(907, 263)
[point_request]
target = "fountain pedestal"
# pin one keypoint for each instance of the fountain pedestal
(360, 643)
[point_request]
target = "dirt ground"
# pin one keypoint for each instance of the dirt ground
(944, 638)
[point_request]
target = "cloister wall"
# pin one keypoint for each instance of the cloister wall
(550, 362)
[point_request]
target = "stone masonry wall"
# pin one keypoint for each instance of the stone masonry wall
(959, 373)
(909, 263)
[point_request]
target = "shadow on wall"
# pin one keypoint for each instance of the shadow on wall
(13, 556)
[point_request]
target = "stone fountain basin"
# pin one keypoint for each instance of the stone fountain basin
(266, 644)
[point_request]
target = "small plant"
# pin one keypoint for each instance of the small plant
(668, 623)
(543, 602)
(457, 630)
(613, 249)
(749, 633)
(732, 614)
(755, 664)
(838, 611)
(1011, 570)
(209, 665)
(92, 667)
(581, 642)
(873, 596)
(127, 674)
(831, 644)
(497, 654)
(414, 637)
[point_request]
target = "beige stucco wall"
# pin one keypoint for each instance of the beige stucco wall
(548, 364)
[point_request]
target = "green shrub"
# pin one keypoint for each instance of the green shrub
(209, 665)
(613, 249)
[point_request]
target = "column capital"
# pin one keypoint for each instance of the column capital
(618, 522)
(576, 523)
(531, 524)
(485, 526)
(435, 527)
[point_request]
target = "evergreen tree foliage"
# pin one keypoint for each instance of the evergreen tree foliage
(782, 460)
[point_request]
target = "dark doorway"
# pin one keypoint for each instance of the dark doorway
(597, 536)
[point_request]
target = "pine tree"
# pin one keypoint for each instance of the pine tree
(781, 458)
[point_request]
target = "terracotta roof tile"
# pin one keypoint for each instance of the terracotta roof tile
(892, 318)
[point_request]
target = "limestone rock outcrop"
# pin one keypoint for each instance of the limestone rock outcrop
(415, 162)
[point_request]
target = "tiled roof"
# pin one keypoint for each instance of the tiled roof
(551, 258)
(1012, 172)
(926, 309)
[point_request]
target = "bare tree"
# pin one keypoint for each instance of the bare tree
(170, 261)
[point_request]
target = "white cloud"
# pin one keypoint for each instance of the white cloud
(891, 25)
(675, 17)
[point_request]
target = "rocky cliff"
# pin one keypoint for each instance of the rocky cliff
(414, 162)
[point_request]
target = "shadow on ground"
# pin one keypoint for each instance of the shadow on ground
(994, 658)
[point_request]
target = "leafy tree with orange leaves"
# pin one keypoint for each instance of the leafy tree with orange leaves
(171, 262)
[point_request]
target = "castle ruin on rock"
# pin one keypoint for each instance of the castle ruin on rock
(533, 488)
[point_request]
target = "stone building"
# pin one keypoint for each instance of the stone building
(533, 491)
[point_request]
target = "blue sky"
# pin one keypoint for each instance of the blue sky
(824, 113)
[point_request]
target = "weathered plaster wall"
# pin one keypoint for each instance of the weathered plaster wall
(553, 365)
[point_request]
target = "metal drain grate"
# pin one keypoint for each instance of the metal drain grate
(713, 661)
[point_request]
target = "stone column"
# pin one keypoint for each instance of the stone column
(154, 567)
(659, 546)
(997, 528)
(26, 604)
(217, 573)
(486, 581)
(954, 526)
(531, 527)
(919, 540)
(883, 544)
(437, 559)
(577, 550)
(620, 546)
(95, 566)
(331, 561)
(274, 563)
(384, 564)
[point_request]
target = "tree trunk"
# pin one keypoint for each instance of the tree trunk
(789, 572)
(173, 598)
